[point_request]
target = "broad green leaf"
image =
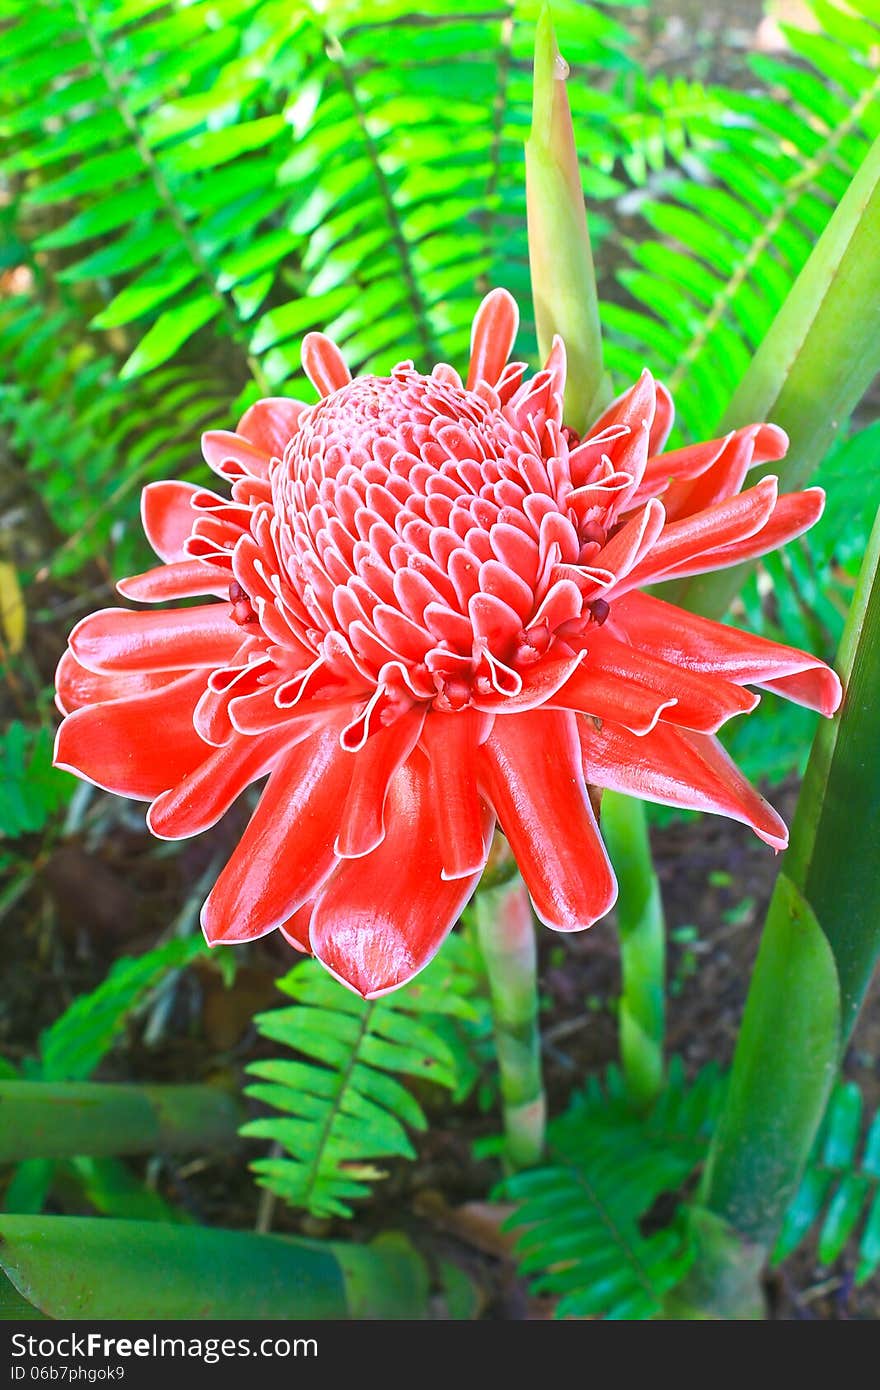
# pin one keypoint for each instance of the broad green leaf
(784, 1065)
(96, 1268)
(814, 365)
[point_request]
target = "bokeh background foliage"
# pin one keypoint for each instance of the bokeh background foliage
(186, 189)
(190, 188)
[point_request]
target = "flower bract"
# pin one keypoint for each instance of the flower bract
(426, 612)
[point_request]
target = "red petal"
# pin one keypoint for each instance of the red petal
(206, 793)
(116, 639)
(271, 424)
(286, 851)
(794, 513)
(685, 543)
(363, 821)
(296, 929)
(664, 416)
(678, 466)
(379, 920)
(635, 538)
(699, 644)
(179, 579)
(77, 687)
(167, 516)
(450, 741)
(818, 688)
(702, 701)
(606, 696)
(530, 771)
(743, 450)
(540, 683)
(492, 336)
(677, 768)
(323, 364)
(636, 405)
(138, 746)
(232, 456)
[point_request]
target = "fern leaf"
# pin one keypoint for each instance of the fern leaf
(87, 440)
(580, 1219)
(343, 1104)
(770, 167)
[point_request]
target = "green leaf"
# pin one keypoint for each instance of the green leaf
(579, 1219)
(840, 802)
(75, 1043)
(814, 365)
(43, 1119)
(93, 1268)
(344, 1109)
(785, 1062)
(112, 1189)
(170, 331)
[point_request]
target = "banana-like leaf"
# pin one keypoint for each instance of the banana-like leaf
(821, 942)
(86, 1267)
(785, 1063)
(833, 855)
(816, 362)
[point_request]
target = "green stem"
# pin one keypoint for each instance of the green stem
(40, 1119)
(90, 1268)
(506, 934)
(642, 946)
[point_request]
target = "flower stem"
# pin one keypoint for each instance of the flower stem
(506, 935)
(642, 946)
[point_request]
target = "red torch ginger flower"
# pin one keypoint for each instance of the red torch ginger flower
(427, 615)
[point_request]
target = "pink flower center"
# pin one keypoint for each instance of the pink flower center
(422, 529)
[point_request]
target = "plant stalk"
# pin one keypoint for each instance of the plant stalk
(40, 1119)
(506, 934)
(642, 931)
(560, 255)
(90, 1268)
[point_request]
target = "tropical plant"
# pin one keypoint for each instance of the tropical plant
(189, 189)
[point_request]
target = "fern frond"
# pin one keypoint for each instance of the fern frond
(582, 1219)
(420, 199)
(86, 440)
(104, 109)
(344, 1103)
(261, 155)
(838, 1201)
(766, 171)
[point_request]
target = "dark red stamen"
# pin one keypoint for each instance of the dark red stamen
(599, 610)
(242, 609)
